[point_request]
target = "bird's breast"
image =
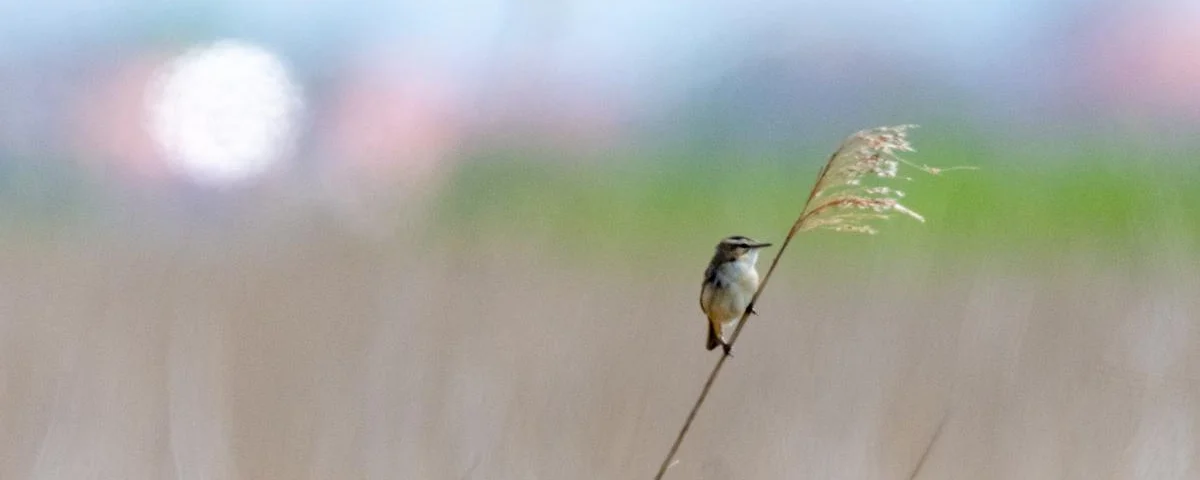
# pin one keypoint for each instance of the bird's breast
(742, 277)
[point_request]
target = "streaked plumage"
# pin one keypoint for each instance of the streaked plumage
(729, 283)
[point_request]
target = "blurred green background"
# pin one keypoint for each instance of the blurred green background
(465, 239)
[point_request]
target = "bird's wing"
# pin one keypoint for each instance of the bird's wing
(708, 289)
(710, 277)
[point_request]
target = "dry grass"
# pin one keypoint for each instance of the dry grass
(303, 353)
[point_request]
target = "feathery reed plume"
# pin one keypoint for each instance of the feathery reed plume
(845, 198)
(841, 201)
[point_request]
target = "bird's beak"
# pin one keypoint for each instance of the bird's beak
(760, 245)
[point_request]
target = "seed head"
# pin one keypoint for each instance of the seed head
(847, 195)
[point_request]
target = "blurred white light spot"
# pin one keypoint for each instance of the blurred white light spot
(224, 113)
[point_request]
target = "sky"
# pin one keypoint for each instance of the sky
(425, 78)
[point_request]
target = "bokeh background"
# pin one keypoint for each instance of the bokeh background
(464, 240)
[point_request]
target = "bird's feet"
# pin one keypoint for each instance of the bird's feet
(728, 349)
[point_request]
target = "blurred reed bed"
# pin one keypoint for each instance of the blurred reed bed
(506, 336)
(304, 351)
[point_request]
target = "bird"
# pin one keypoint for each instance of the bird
(729, 283)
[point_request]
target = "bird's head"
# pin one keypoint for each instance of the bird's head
(738, 247)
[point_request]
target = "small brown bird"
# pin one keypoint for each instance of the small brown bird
(729, 283)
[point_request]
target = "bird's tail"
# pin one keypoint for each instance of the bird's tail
(714, 338)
